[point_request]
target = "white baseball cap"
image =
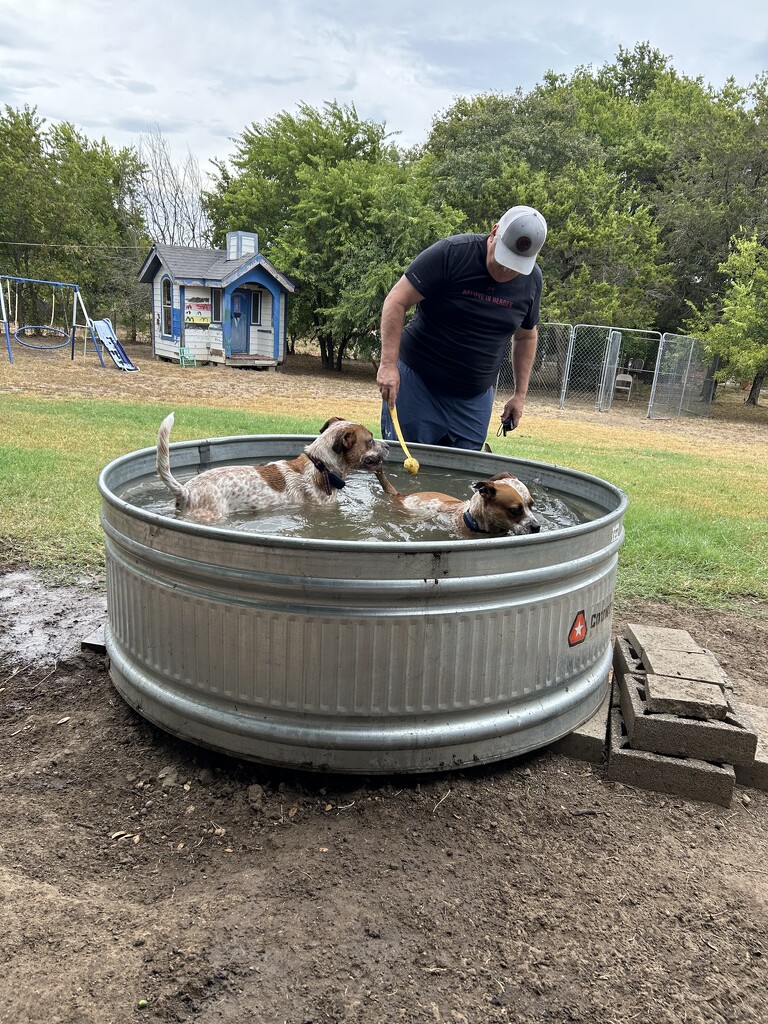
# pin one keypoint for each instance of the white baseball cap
(519, 238)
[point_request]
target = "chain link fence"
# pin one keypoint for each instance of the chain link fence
(596, 364)
(683, 384)
(599, 353)
(549, 369)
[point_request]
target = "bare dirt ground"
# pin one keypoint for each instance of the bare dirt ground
(142, 878)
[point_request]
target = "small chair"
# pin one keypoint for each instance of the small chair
(185, 357)
(623, 384)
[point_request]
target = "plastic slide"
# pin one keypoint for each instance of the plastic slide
(106, 335)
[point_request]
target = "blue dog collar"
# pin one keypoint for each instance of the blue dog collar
(471, 523)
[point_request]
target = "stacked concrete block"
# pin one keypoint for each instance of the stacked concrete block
(687, 777)
(676, 727)
(589, 742)
(756, 773)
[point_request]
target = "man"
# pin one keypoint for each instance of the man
(473, 293)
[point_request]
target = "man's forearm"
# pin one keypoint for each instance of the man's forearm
(400, 299)
(392, 323)
(524, 347)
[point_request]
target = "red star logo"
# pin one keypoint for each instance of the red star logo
(577, 634)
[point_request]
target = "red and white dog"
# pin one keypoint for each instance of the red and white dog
(498, 506)
(314, 477)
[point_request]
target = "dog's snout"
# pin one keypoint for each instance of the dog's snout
(535, 527)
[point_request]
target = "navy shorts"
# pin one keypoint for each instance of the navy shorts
(428, 417)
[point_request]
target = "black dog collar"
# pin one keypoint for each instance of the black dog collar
(471, 523)
(330, 479)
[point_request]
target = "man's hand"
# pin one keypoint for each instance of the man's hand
(513, 411)
(388, 381)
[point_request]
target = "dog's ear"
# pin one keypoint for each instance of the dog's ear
(484, 487)
(330, 422)
(345, 441)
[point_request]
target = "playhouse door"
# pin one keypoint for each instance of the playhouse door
(238, 341)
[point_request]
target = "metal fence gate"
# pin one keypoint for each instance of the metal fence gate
(598, 353)
(682, 383)
(579, 364)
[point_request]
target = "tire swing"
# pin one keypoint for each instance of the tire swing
(50, 329)
(37, 327)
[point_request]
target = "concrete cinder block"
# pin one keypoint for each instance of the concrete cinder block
(661, 638)
(590, 741)
(732, 741)
(684, 665)
(615, 694)
(96, 641)
(756, 773)
(689, 778)
(687, 697)
(626, 661)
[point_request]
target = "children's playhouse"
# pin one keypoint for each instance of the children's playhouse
(217, 305)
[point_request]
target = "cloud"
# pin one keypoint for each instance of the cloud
(205, 74)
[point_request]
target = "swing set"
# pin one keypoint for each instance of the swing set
(47, 336)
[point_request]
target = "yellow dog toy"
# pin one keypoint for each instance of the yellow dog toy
(410, 465)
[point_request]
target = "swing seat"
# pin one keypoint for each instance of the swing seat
(186, 358)
(40, 330)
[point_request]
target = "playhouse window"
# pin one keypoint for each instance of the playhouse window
(167, 308)
(216, 305)
(255, 307)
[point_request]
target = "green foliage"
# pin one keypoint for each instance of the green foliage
(602, 262)
(260, 191)
(353, 230)
(26, 192)
(338, 210)
(643, 174)
(68, 212)
(467, 151)
(737, 332)
(643, 141)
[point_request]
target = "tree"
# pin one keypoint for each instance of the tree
(68, 212)
(100, 235)
(354, 229)
(689, 160)
(171, 194)
(337, 209)
(260, 191)
(26, 193)
(467, 148)
(714, 186)
(737, 332)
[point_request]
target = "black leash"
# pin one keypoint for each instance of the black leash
(505, 427)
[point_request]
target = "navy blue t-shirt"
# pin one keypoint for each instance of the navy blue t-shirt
(460, 332)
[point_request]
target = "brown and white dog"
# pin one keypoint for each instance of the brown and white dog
(312, 478)
(500, 505)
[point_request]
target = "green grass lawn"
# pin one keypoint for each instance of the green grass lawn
(696, 528)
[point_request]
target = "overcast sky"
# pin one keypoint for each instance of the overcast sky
(203, 72)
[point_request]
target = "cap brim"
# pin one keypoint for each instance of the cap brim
(511, 260)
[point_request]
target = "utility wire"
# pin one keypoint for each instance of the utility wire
(69, 245)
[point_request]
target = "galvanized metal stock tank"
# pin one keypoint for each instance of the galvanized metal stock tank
(352, 656)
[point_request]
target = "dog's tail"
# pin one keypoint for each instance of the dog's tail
(164, 458)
